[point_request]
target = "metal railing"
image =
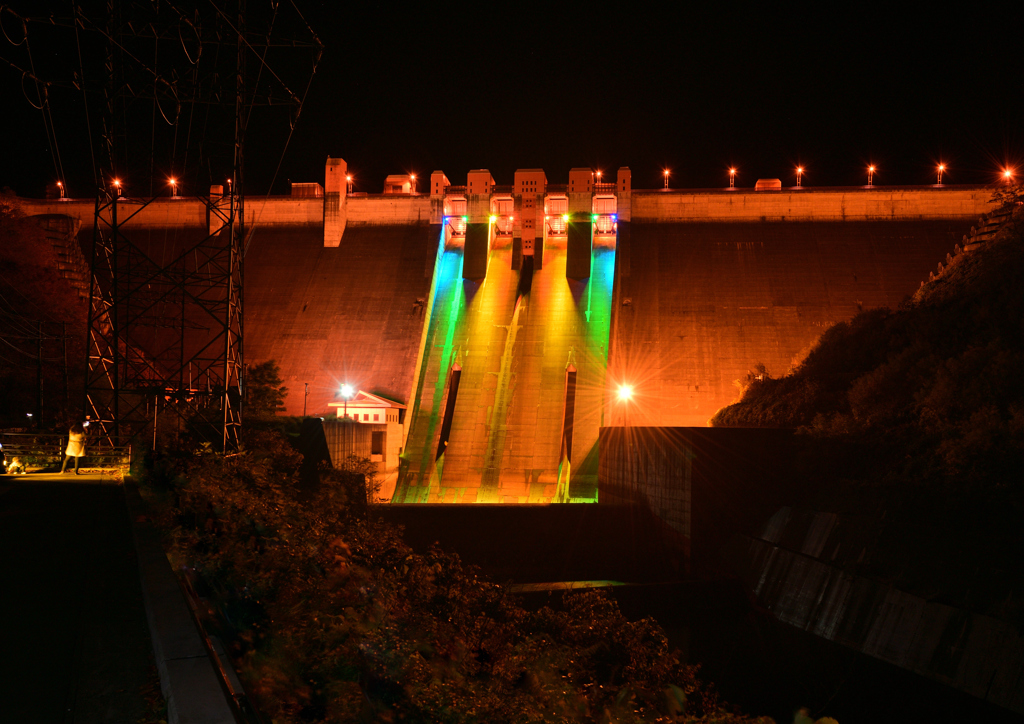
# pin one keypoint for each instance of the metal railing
(44, 451)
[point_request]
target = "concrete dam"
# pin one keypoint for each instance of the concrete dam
(500, 321)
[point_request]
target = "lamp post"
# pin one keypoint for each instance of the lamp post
(941, 168)
(625, 396)
(60, 188)
(666, 174)
(1008, 175)
(348, 180)
(412, 182)
(117, 187)
(346, 394)
(799, 176)
(174, 187)
(871, 175)
(305, 399)
(732, 178)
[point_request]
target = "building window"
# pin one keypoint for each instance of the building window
(376, 417)
(366, 417)
(377, 443)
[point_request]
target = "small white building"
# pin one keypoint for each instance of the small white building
(368, 426)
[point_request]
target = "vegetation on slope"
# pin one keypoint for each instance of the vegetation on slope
(338, 620)
(930, 399)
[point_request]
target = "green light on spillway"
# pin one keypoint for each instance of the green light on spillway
(465, 219)
(593, 217)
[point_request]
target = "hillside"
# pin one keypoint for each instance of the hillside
(914, 417)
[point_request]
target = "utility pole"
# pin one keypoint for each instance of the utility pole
(39, 376)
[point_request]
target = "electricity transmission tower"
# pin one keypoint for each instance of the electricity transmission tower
(166, 311)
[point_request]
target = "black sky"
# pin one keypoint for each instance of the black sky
(502, 86)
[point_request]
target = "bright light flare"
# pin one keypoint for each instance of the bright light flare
(732, 172)
(625, 393)
(493, 219)
(1008, 173)
(347, 391)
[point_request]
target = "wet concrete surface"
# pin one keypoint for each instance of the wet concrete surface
(75, 643)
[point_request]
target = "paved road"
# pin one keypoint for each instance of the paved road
(74, 643)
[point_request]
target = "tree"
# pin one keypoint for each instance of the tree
(264, 392)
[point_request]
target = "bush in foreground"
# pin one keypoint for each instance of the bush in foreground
(339, 620)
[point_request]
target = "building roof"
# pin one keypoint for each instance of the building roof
(365, 399)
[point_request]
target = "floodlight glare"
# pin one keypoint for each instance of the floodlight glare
(625, 392)
(346, 391)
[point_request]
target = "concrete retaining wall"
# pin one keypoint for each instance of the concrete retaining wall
(784, 565)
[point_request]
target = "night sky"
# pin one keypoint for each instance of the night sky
(508, 86)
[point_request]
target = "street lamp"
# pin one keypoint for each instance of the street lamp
(60, 187)
(871, 175)
(412, 182)
(942, 167)
(732, 178)
(117, 186)
(665, 172)
(625, 394)
(1008, 174)
(174, 187)
(799, 176)
(346, 393)
(348, 180)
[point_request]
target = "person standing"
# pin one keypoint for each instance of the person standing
(76, 446)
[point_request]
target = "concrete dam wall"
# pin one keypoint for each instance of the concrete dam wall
(678, 294)
(700, 304)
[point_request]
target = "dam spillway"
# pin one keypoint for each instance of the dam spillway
(511, 344)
